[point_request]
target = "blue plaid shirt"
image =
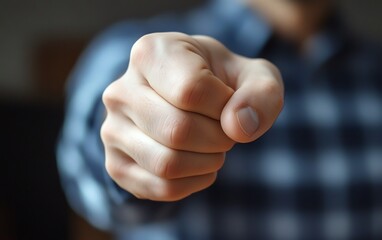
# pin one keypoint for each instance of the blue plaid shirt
(317, 174)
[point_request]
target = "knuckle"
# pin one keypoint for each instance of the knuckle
(168, 191)
(271, 84)
(177, 131)
(274, 85)
(109, 96)
(142, 48)
(267, 64)
(189, 95)
(168, 166)
(192, 92)
(219, 161)
(275, 93)
(107, 131)
(162, 165)
(114, 171)
(139, 195)
(227, 144)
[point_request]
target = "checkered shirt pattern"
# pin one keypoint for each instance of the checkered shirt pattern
(317, 174)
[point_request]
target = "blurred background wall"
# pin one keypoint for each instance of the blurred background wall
(30, 28)
(40, 41)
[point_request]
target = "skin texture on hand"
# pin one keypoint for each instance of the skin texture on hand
(183, 102)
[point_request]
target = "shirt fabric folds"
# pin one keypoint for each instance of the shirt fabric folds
(317, 174)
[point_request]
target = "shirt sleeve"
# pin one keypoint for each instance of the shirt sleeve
(80, 154)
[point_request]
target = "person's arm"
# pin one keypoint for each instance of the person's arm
(183, 102)
(80, 154)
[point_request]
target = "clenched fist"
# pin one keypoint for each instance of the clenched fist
(183, 102)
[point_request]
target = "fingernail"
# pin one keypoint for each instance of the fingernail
(248, 120)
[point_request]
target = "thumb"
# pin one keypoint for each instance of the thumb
(256, 102)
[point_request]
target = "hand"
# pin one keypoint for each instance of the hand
(183, 102)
